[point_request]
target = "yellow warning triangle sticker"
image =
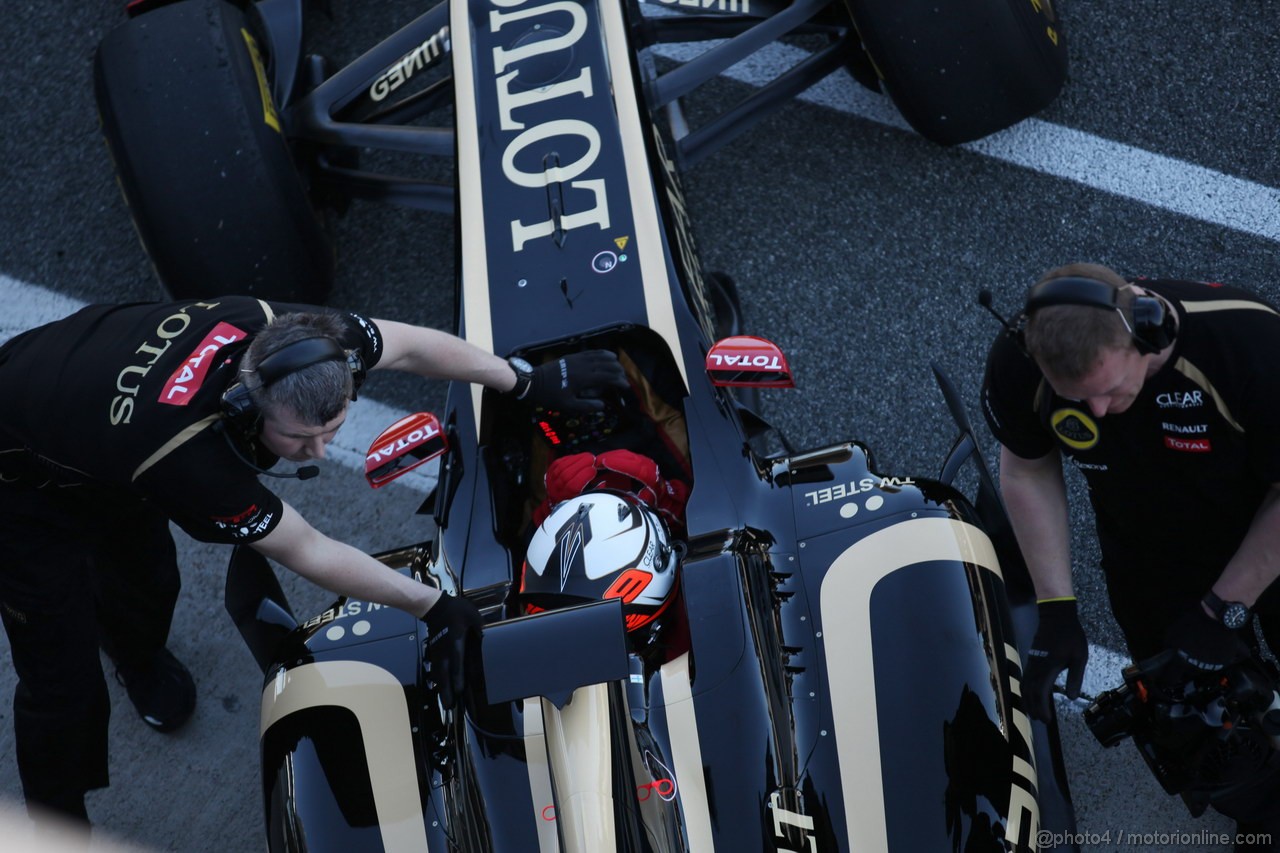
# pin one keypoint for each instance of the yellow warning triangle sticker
(621, 242)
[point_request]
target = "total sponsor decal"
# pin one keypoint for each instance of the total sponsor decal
(1180, 399)
(188, 378)
(386, 451)
(251, 521)
(1188, 445)
(1076, 429)
(129, 379)
(854, 487)
(567, 22)
(743, 362)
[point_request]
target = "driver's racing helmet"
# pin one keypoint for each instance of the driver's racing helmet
(602, 545)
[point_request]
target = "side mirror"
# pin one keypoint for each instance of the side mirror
(409, 442)
(747, 361)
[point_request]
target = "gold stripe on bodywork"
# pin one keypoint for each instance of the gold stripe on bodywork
(535, 751)
(578, 749)
(845, 601)
(1225, 305)
(174, 443)
(686, 754)
(644, 207)
(477, 324)
(376, 698)
(1197, 376)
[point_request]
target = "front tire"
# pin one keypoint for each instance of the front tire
(957, 70)
(202, 159)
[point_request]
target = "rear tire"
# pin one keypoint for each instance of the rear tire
(958, 71)
(201, 158)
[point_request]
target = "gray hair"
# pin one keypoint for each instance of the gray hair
(316, 394)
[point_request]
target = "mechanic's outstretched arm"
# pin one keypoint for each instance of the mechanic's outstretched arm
(451, 621)
(572, 382)
(1035, 496)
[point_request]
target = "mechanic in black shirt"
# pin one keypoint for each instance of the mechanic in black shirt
(1166, 396)
(121, 418)
(1168, 401)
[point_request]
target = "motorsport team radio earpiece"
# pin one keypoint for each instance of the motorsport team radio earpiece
(1149, 324)
(241, 413)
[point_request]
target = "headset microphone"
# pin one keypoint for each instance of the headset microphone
(306, 472)
(984, 299)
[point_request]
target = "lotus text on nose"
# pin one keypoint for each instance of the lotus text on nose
(538, 138)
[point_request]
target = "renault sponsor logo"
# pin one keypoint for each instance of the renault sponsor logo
(1188, 445)
(1076, 429)
(1180, 399)
(1185, 429)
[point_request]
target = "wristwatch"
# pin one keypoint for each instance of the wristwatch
(1232, 614)
(524, 377)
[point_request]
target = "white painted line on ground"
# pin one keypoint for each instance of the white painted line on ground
(1112, 167)
(29, 305)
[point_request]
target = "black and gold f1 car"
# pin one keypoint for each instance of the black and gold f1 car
(837, 667)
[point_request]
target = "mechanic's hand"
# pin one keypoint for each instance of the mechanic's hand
(575, 382)
(1059, 644)
(1203, 643)
(452, 624)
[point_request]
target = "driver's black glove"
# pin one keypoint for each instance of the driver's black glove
(575, 382)
(1059, 644)
(452, 623)
(1203, 643)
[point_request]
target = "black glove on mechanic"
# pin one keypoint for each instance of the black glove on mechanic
(1204, 643)
(1059, 644)
(452, 623)
(575, 382)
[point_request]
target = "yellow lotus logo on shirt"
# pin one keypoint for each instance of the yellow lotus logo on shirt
(1076, 429)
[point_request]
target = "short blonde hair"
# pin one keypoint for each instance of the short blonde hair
(1067, 341)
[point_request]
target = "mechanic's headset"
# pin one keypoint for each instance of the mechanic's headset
(1150, 325)
(242, 413)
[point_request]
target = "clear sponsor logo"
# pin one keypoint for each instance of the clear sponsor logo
(1188, 445)
(1180, 399)
(187, 379)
